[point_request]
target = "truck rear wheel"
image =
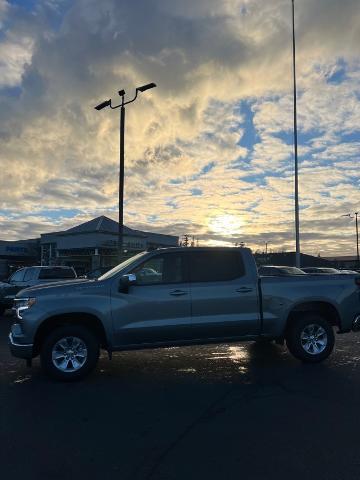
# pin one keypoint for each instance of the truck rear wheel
(310, 338)
(69, 352)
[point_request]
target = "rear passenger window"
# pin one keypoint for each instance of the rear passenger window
(56, 273)
(215, 266)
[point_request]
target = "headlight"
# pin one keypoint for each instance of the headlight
(22, 304)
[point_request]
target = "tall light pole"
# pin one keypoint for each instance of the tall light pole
(297, 220)
(355, 215)
(108, 103)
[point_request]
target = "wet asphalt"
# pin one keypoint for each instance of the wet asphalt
(240, 411)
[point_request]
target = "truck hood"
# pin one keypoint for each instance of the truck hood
(62, 286)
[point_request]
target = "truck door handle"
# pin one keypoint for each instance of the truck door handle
(244, 290)
(177, 293)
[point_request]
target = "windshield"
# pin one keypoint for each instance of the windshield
(122, 265)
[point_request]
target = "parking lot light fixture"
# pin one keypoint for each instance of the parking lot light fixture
(103, 105)
(121, 105)
(146, 87)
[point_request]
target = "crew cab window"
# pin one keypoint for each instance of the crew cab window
(167, 268)
(17, 276)
(215, 266)
(30, 274)
(56, 273)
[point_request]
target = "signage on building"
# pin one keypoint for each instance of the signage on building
(15, 249)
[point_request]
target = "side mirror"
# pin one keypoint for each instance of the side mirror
(126, 281)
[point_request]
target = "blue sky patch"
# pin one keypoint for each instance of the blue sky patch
(340, 73)
(250, 136)
(172, 204)
(58, 213)
(176, 181)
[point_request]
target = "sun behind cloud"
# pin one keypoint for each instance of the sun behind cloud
(226, 224)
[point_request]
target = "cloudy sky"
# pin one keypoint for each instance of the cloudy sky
(209, 151)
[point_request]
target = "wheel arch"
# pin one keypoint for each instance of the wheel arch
(88, 320)
(327, 310)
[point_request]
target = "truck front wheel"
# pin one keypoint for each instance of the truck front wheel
(310, 338)
(69, 352)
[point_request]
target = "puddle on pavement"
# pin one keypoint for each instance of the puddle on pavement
(237, 355)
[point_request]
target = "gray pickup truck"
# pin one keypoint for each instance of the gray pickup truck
(180, 296)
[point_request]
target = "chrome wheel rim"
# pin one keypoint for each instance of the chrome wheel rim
(69, 354)
(314, 339)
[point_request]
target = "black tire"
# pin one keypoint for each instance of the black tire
(67, 331)
(2, 309)
(297, 346)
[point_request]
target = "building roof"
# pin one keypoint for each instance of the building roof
(105, 226)
(100, 224)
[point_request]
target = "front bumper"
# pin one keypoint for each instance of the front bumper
(20, 350)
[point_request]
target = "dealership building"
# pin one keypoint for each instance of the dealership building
(86, 247)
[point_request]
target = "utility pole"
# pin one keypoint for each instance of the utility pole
(355, 215)
(297, 220)
(357, 238)
(186, 240)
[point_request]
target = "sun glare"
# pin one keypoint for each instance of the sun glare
(226, 224)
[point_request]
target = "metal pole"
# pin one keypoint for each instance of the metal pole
(107, 103)
(121, 182)
(357, 239)
(297, 221)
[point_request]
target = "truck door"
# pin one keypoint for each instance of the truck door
(224, 296)
(157, 308)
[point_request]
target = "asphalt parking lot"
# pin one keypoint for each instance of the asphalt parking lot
(212, 412)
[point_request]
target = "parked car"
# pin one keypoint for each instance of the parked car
(201, 295)
(321, 270)
(265, 270)
(29, 277)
